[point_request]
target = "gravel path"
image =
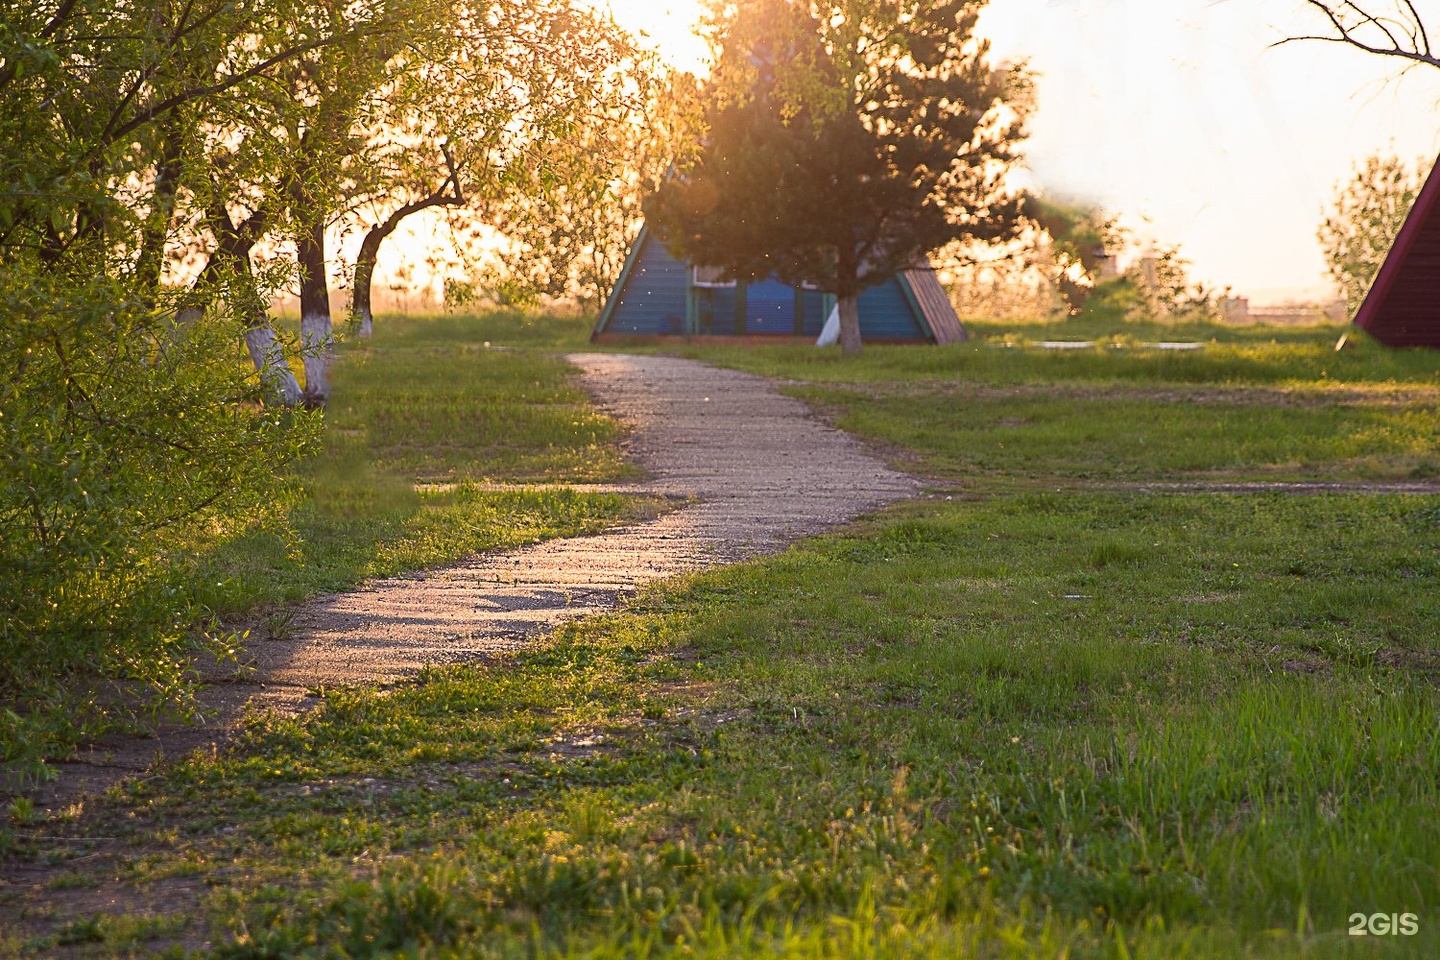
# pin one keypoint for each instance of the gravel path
(760, 471)
(755, 468)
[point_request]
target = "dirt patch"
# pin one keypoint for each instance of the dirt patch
(1422, 662)
(70, 920)
(1278, 486)
(1306, 397)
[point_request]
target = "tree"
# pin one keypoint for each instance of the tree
(1361, 225)
(1078, 249)
(331, 88)
(845, 141)
(569, 228)
(155, 158)
(161, 117)
(1083, 241)
(1163, 287)
(1394, 30)
(511, 110)
(121, 443)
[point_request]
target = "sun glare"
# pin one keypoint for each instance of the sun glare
(668, 26)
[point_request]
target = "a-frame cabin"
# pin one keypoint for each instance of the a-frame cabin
(658, 295)
(1402, 308)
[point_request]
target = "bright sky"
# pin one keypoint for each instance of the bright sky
(1183, 112)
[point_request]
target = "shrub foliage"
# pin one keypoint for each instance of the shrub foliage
(122, 442)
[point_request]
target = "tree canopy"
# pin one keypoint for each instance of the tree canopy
(580, 209)
(1361, 224)
(845, 141)
(513, 111)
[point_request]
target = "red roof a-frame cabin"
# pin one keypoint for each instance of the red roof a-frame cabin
(1402, 308)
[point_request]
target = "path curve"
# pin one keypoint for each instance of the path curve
(760, 469)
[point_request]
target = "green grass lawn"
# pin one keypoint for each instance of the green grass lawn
(1000, 413)
(424, 422)
(1053, 709)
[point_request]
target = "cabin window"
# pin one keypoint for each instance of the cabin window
(710, 277)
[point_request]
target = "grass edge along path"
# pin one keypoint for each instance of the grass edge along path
(899, 741)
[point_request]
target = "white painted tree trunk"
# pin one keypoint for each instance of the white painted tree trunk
(849, 308)
(269, 359)
(360, 309)
(317, 345)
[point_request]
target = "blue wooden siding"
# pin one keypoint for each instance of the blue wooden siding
(885, 314)
(815, 310)
(715, 310)
(653, 300)
(770, 308)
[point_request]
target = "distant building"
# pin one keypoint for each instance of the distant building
(1235, 310)
(658, 295)
(1238, 310)
(1402, 308)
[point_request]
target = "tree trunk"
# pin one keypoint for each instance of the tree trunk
(448, 195)
(317, 342)
(849, 307)
(186, 317)
(364, 275)
(156, 229)
(266, 352)
(269, 358)
(232, 256)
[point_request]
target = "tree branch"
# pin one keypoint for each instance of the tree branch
(1350, 19)
(196, 93)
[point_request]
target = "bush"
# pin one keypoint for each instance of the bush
(124, 443)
